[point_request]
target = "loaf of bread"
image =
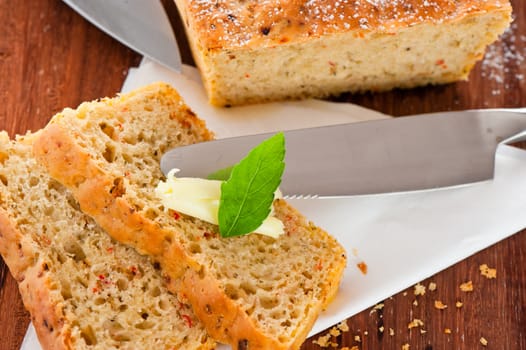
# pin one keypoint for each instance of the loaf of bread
(256, 51)
(84, 291)
(252, 291)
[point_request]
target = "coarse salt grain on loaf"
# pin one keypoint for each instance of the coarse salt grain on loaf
(253, 291)
(252, 51)
(83, 290)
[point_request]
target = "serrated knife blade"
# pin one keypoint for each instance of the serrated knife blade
(391, 155)
(142, 25)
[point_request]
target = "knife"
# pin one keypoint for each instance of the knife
(390, 155)
(142, 25)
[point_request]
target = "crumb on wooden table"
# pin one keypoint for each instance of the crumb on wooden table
(343, 326)
(377, 307)
(467, 286)
(357, 339)
(483, 341)
(420, 289)
(323, 340)
(432, 286)
(440, 305)
(415, 323)
(487, 272)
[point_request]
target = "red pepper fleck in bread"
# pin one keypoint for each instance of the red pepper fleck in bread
(84, 291)
(251, 291)
(252, 51)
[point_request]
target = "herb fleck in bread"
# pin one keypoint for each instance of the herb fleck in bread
(83, 290)
(250, 291)
(256, 51)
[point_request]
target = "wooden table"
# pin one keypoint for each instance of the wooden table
(51, 58)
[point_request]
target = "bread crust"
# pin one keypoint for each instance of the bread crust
(231, 24)
(34, 286)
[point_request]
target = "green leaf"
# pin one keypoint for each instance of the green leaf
(247, 196)
(221, 174)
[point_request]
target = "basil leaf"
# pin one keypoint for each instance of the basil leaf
(247, 196)
(221, 174)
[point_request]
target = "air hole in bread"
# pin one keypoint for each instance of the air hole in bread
(195, 248)
(60, 257)
(307, 274)
(268, 302)
(33, 181)
(48, 211)
(3, 157)
(286, 323)
(107, 129)
(144, 325)
(164, 304)
(122, 284)
(118, 188)
(248, 288)
(21, 222)
(99, 301)
(118, 333)
(201, 273)
(73, 248)
(151, 213)
(65, 291)
(127, 158)
(82, 281)
(88, 335)
(53, 185)
(3, 179)
(73, 203)
(232, 291)
(130, 139)
(109, 153)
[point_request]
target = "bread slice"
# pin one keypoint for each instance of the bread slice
(253, 292)
(257, 51)
(83, 290)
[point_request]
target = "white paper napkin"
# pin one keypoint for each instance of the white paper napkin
(404, 237)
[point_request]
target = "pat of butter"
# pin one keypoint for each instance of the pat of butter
(200, 198)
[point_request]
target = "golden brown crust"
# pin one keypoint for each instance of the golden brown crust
(231, 24)
(33, 285)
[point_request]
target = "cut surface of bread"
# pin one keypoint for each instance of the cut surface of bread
(83, 289)
(251, 291)
(258, 51)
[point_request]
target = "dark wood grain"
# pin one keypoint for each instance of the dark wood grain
(51, 58)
